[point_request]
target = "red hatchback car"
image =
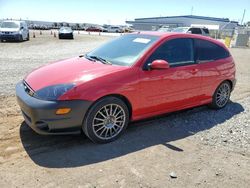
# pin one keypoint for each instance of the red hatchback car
(133, 77)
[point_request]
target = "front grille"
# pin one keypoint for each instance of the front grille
(28, 89)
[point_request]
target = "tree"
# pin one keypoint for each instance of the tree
(77, 26)
(55, 25)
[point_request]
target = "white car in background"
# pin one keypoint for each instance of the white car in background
(193, 30)
(165, 29)
(114, 29)
(14, 30)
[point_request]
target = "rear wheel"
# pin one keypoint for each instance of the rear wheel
(106, 120)
(221, 95)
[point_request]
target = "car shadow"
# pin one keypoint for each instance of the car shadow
(74, 151)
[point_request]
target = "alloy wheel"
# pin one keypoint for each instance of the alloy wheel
(109, 121)
(223, 95)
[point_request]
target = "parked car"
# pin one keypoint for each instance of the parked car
(14, 30)
(133, 77)
(128, 30)
(65, 33)
(164, 29)
(114, 29)
(193, 30)
(94, 29)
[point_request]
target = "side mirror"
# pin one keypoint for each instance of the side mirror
(21, 28)
(159, 64)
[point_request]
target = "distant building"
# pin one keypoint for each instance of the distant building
(182, 21)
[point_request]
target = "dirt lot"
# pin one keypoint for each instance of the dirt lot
(204, 148)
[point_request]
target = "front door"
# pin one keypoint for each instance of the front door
(174, 88)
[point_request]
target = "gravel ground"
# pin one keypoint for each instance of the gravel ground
(200, 146)
(18, 59)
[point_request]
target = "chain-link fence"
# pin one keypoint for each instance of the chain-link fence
(237, 37)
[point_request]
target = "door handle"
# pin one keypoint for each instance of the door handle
(194, 71)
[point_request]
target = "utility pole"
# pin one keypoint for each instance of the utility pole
(243, 16)
(192, 9)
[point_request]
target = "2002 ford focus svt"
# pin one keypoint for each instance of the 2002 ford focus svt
(133, 77)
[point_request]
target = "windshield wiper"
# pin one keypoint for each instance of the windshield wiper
(104, 61)
(88, 57)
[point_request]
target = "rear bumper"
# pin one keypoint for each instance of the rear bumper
(66, 35)
(41, 117)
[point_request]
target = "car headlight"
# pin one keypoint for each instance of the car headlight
(53, 92)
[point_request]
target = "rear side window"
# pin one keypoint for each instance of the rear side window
(206, 31)
(176, 52)
(208, 51)
(195, 30)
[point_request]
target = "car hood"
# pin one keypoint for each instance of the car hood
(9, 29)
(76, 70)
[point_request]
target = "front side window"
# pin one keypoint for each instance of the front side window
(176, 52)
(208, 51)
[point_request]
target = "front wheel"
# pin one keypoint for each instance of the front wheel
(106, 120)
(221, 95)
(20, 38)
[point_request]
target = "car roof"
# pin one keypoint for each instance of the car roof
(180, 35)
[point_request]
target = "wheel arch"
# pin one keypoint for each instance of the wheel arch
(230, 82)
(119, 96)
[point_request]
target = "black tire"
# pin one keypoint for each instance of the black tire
(106, 107)
(28, 37)
(216, 104)
(21, 38)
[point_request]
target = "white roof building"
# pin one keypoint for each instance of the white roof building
(154, 23)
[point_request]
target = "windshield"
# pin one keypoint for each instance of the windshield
(9, 25)
(66, 29)
(180, 30)
(124, 50)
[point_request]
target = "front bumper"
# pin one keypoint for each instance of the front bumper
(234, 83)
(41, 116)
(10, 36)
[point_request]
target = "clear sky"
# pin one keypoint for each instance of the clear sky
(117, 12)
